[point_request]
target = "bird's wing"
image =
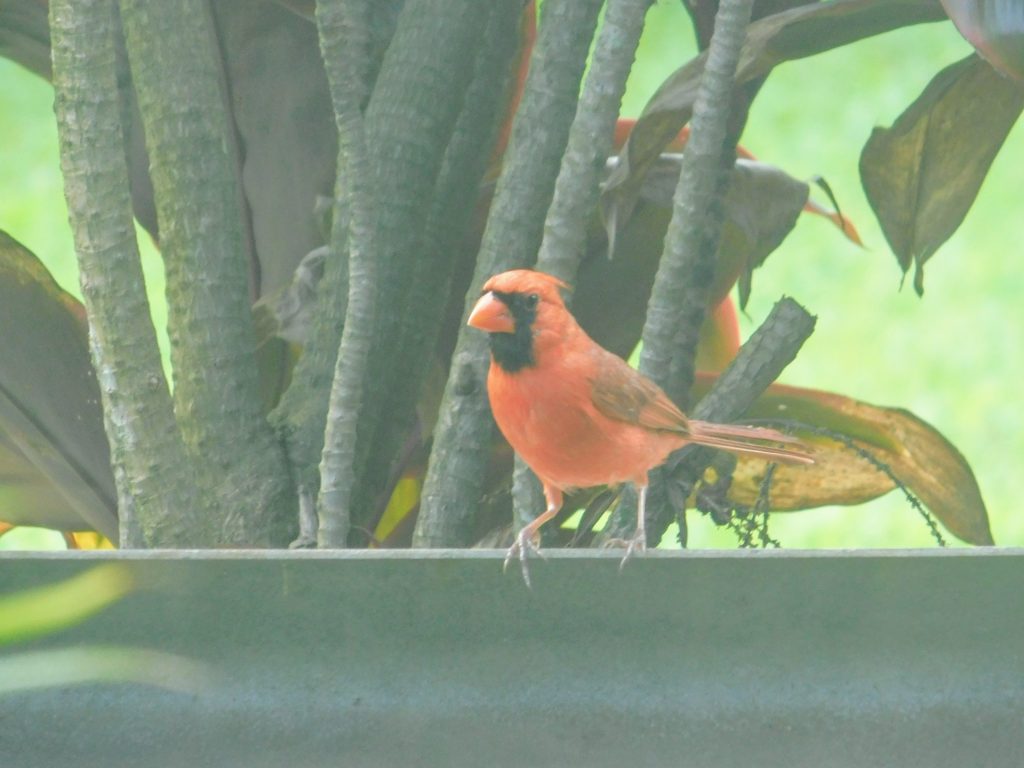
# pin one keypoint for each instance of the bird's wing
(621, 393)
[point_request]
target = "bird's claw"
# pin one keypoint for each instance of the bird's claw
(521, 548)
(304, 541)
(638, 545)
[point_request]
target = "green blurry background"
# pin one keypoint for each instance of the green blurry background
(953, 357)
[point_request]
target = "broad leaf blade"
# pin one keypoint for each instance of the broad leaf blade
(54, 458)
(762, 205)
(922, 174)
(25, 35)
(793, 34)
(928, 464)
(719, 337)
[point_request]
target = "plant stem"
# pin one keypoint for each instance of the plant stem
(442, 244)
(463, 433)
(679, 297)
(409, 120)
(176, 71)
(157, 504)
(682, 286)
(344, 33)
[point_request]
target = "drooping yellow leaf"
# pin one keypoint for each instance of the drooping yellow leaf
(404, 500)
(916, 453)
(88, 540)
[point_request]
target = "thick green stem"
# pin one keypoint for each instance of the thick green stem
(591, 139)
(344, 32)
(462, 437)
(158, 505)
(682, 287)
(443, 242)
(409, 121)
(176, 72)
(302, 411)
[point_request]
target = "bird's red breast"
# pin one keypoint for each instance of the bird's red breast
(578, 415)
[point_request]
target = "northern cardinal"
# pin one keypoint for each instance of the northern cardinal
(577, 414)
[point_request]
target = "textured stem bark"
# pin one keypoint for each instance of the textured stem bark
(682, 287)
(344, 27)
(157, 503)
(443, 241)
(679, 297)
(301, 414)
(175, 68)
(577, 188)
(408, 122)
(410, 119)
(462, 436)
(761, 359)
(591, 139)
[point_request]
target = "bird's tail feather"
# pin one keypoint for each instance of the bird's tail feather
(752, 441)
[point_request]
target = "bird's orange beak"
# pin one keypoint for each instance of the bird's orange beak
(491, 314)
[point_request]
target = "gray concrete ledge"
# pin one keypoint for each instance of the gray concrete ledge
(785, 658)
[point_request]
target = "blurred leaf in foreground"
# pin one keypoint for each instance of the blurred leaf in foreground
(101, 664)
(53, 607)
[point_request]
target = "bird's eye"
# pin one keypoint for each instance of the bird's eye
(531, 300)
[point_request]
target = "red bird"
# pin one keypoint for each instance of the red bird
(577, 414)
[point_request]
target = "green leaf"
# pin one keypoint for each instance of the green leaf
(53, 607)
(793, 34)
(25, 35)
(922, 174)
(762, 205)
(54, 458)
(103, 664)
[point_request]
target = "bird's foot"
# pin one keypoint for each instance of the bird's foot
(303, 542)
(638, 545)
(308, 521)
(521, 547)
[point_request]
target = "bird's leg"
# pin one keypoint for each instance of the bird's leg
(307, 521)
(528, 538)
(639, 541)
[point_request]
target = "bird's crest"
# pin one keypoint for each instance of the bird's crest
(528, 281)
